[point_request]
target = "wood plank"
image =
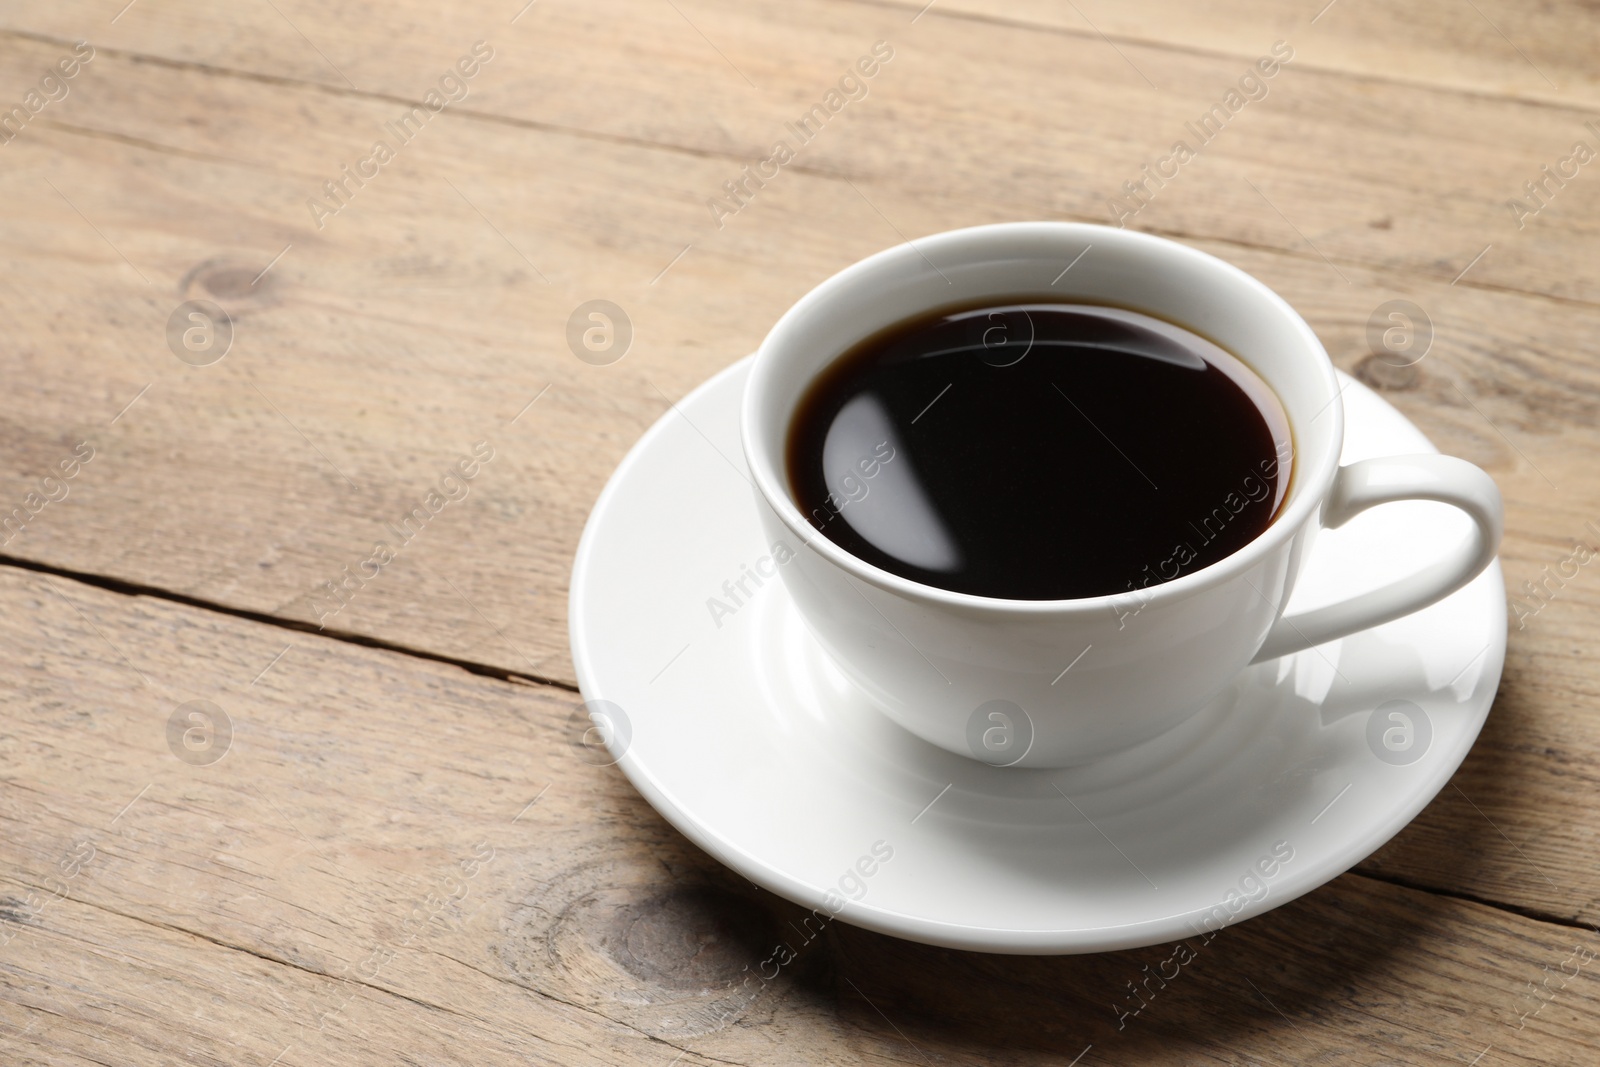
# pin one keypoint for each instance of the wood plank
(1534, 53)
(361, 877)
(383, 346)
(1425, 174)
(157, 909)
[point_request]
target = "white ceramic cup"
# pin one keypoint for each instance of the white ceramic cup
(983, 677)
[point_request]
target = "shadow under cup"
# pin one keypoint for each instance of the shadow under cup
(933, 658)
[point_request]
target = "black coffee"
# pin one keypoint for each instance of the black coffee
(1039, 451)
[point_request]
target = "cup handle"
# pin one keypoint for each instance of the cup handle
(1384, 480)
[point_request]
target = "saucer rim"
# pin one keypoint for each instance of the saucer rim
(966, 936)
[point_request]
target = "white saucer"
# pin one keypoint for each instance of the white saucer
(753, 745)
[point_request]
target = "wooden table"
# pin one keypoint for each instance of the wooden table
(373, 840)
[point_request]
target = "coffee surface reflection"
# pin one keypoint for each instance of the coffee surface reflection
(1039, 451)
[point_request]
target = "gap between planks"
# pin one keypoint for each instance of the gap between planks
(137, 589)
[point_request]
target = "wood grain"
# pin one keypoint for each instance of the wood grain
(1426, 171)
(395, 858)
(380, 348)
(380, 353)
(1535, 53)
(1499, 50)
(311, 875)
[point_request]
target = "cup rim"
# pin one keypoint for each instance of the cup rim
(1315, 473)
